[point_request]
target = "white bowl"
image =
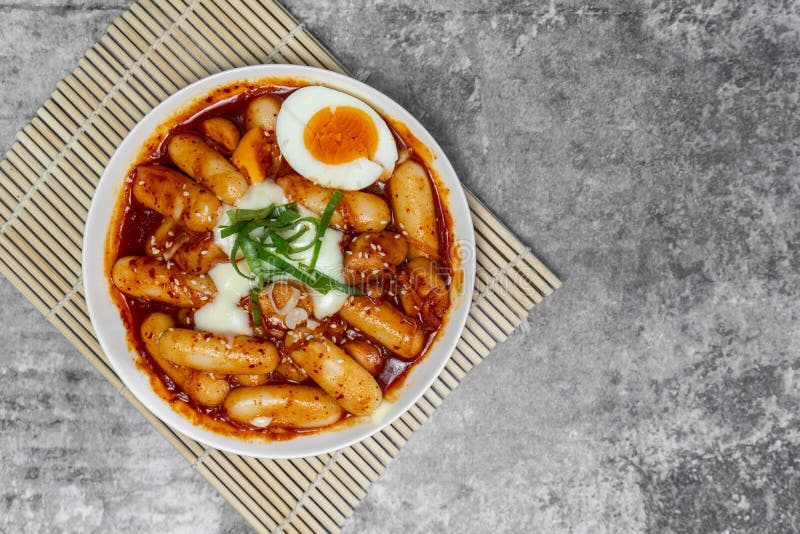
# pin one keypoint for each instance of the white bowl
(111, 332)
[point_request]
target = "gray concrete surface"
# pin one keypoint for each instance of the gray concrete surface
(647, 151)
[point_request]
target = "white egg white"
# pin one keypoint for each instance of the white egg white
(223, 315)
(293, 117)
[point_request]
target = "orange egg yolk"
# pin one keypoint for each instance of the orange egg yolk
(340, 136)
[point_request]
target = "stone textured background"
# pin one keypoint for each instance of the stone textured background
(648, 152)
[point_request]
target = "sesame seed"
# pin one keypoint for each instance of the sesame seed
(141, 182)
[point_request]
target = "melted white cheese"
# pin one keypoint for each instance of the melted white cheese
(223, 314)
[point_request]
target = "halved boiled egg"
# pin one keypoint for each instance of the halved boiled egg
(334, 139)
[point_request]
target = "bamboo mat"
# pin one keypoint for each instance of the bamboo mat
(46, 184)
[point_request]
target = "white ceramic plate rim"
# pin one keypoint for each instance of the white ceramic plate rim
(110, 329)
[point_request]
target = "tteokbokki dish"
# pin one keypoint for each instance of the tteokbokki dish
(282, 256)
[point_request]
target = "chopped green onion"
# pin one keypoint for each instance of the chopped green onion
(234, 228)
(255, 309)
(265, 239)
(313, 278)
(249, 253)
(286, 215)
(323, 225)
(248, 215)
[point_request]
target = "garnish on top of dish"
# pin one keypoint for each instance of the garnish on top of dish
(282, 258)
